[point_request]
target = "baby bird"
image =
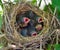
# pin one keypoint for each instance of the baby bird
(22, 21)
(24, 32)
(32, 31)
(39, 27)
(38, 19)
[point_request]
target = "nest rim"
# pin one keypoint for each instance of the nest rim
(17, 9)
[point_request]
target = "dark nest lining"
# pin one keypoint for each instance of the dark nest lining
(29, 24)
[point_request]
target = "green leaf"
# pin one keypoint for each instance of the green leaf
(33, 2)
(1, 46)
(58, 17)
(57, 46)
(1, 4)
(56, 3)
(1, 13)
(16, 0)
(0, 20)
(49, 47)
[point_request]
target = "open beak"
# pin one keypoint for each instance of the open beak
(26, 20)
(39, 20)
(34, 34)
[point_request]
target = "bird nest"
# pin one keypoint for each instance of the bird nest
(12, 28)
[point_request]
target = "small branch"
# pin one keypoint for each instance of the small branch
(41, 43)
(2, 35)
(53, 15)
(57, 36)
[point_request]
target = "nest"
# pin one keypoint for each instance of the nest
(12, 36)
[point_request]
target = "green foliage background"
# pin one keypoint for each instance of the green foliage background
(56, 3)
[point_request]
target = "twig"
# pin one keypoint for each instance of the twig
(53, 15)
(57, 36)
(2, 35)
(41, 42)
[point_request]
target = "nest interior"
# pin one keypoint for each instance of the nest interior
(28, 23)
